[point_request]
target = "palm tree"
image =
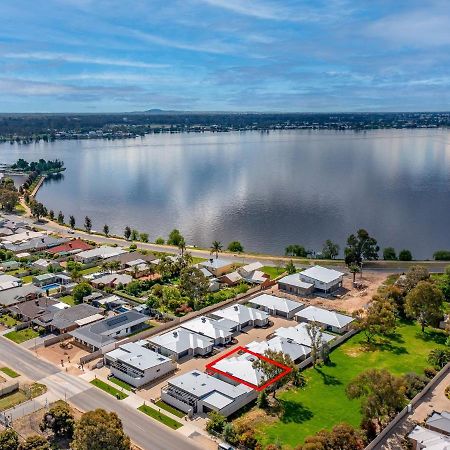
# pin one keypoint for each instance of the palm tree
(216, 247)
(182, 246)
(114, 266)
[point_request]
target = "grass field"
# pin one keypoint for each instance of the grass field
(68, 299)
(171, 409)
(166, 420)
(21, 336)
(90, 270)
(21, 396)
(273, 272)
(120, 383)
(8, 321)
(109, 389)
(323, 402)
(11, 373)
(27, 279)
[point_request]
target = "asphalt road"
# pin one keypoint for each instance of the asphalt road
(145, 432)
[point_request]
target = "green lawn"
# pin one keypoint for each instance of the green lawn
(323, 402)
(90, 270)
(197, 259)
(68, 299)
(21, 336)
(21, 396)
(109, 389)
(27, 279)
(8, 321)
(120, 383)
(11, 373)
(166, 420)
(171, 409)
(130, 297)
(273, 272)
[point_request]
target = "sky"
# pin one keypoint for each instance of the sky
(224, 55)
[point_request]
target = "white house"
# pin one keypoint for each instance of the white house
(220, 331)
(247, 270)
(329, 320)
(137, 365)
(180, 342)
(295, 351)
(425, 439)
(292, 284)
(276, 306)
(9, 282)
(243, 315)
(299, 334)
(323, 279)
(98, 253)
(196, 392)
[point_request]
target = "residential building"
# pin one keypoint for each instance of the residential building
(112, 280)
(32, 309)
(243, 315)
(217, 266)
(292, 284)
(230, 279)
(425, 439)
(295, 351)
(252, 273)
(329, 320)
(247, 270)
(44, 279)
(299, 334)
(70, 248)
(9, 265)
(9, 282)
(324, 279)
(130, 259)
(137, 365)
(197, 392)
(97, 254)
(45, 264)
(10, 297)
(276, 306)
(439, 422)
(33, 245)
(220, 331)
(180, 342)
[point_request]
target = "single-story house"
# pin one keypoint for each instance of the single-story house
(45, 264)
(9, 265)
(130, 259)
(33, 245)
(220, 331)
(206, 273)
(243, 315)
(292, 284)
(44, 279)
(70, 248)
(439, 422)
(112, 280)
(98, 253)
(32, 309)
(91, 297)
(323, 279)
(20, 294)
(299, 334)
(139, 270)
(253, 274)
(104, 333)
(295, 351)
(23, 236)
(425, 439)
(9, 282)
(277, 306)
(180, 342)
(214, 285)
(109, 302)
(247, 270)
(230, 279)
(217, 266)
(137, 365)
(196, 392)
(329, 320)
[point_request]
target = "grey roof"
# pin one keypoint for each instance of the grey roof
(429, 439)
(33, 308)
(62, 319)
(103, 252)
(180, 340)
(294, 280)
(216, 263)
(207, 326)
(299, 334)
(280, 344)
(15, 295)
(322, 274)
(332, 318)
(276, 303)
(34, 244)
(137, 356)
(441, 421)
(128, 257)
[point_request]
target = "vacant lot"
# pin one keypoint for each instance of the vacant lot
(25, 393)
(323, 402)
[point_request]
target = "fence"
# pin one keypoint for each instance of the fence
(22, 326)
(56, 339)
(378, 441)
(8, 386)
(91, 356)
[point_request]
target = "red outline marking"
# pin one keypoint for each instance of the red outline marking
(286, 369)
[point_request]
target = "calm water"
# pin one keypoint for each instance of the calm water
(267, 190)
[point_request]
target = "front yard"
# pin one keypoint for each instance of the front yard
(22, 335)
(8, 321)
(323, 402)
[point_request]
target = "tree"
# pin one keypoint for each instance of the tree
(216, 422)
(216, 247)
(35, 443)
(60, 218)
(59, 419)
(174, 237)
(106, 230)
(51, 214)
(330, 250)
(80, 291)
(382, 394)
(360, 246)
(230, 434)
(354, 269)
(389, 254)
(72, 222)
(315, 335)
(182, 246)
(442, 255)
(235, 247)
(262, 400)
(87, 224)
(414, 384)
(159, 241)
(127, 232)
(379, 319)
(396, 296)
(296, 250)
(405, 255)
(414, 275)
(194, 284)
(424, 303)
(134, 235)
(9, 439)
(100, 430)
(143, 237)
(439, 357)
(9, 199)
(341, 437)
(290, 267)
(37, 209)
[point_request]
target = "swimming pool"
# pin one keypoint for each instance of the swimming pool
(51, 286)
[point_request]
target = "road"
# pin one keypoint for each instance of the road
(145, 432)
(246, 258)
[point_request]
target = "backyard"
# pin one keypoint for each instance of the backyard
(323, 402)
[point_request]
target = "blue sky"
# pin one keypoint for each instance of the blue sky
(227, 55)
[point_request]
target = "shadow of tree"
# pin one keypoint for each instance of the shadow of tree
(294, 412)
(438, 337)
(329, 380)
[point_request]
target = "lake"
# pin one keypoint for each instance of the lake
(265, 189)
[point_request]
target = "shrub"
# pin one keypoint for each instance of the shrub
(414, 384)
(430, 372)
(405, 255)
(442, 255)
(439, 357)
(133, 247)
(216, 422)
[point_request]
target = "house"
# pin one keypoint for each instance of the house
(91, 297)
(130, 259)
(423, 438)
(9, 265)
(22, 236)
(196, 392)
(110, 302)
(33, 245)
(102, 335)
(138, 268)
(32, 309)
(9, 282)
(206, 273)
(214, 285)
(243, 315)
(276, 306)
(439, 422)
(324, 279)
(230, 279)
(112, 280)
(97, 254)
(60, 319)
(295, 351)
(45, 264)
(44, 279)
(10, 297)
(137, 365)
(292, 284)
(247, 270)
(220, 331)
(253, 274)
(329, 320)
(180, 342)
(299, 334)
(217, 266)
(70, 248)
